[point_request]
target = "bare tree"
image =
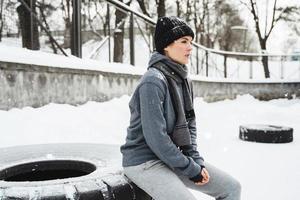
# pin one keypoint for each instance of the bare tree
(230, 17)
(104, 19)
(199, 22)
(142, 5)
(178, 8)
(202, 21)
(66, 10)
(92, 12)
(294, 23)
(263, 30)
(9, 17)
(119, 35)
(145, 7)
(161, 8)
(297, 30)
(1, 19)
(188, 10)
(45, 10)
(29, 26)
(226, 39)
(99, 13)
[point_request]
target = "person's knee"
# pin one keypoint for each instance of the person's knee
(238, 186)
(235, 189)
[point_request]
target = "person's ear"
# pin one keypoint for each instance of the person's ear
(166, 49)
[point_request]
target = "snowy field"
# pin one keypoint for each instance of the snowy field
(266, 171)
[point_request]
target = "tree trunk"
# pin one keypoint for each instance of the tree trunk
(106, 24)
(265, 60)
(225, 66)
(1, 19)
(119, 37)
(143, 7)
(178, 9)
(43, 16)
(67, 34)
(68, 23)
(266, 66)
(161, 8)
(188, 11)
(30, 32)
(1, 29)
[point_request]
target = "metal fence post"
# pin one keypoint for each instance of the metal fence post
(281, 68)
(197, 60)
(76, 28)
(299, 69)
(131, 35)
(206, 62)
(31, 25)
(225, 66)
(109, 34)
(251, 68)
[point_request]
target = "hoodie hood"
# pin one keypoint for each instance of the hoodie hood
(177, 68)
(156, 57)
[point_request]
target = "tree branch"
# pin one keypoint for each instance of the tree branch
(273, 20)
(256, 20)
(246, 5)
(143, 7)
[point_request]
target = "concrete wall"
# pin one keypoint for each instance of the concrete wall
(215, 91)
(30, 85)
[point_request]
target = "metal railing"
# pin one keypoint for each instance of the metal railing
(240, 65)
(204, 61)
(217, 63)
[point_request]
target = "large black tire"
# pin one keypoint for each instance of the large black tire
(88, 165)
(266, 133)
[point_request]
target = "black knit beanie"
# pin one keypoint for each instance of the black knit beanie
(169, 29)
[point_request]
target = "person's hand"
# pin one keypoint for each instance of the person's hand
(205, 176)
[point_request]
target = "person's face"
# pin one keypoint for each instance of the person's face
(180, 50)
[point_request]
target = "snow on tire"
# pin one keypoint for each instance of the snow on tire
(64, 171)
(266, 133)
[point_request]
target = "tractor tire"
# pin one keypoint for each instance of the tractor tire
(64, 171)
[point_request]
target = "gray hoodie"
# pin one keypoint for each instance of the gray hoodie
(151, 123)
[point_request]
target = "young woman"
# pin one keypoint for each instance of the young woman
(160, 154)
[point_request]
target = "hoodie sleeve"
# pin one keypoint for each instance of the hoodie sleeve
(192, 150)
(154, 130)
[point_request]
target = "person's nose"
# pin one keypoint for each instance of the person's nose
(190, 47)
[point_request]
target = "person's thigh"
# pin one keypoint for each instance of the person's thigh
(221, 185)
(159, 181)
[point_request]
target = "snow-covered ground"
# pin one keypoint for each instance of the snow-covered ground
(266, 171)
(11, 53)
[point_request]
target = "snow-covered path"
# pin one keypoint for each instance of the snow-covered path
(266, 171)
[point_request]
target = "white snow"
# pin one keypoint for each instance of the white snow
(266, 171)
(22, 55)
(70, 191)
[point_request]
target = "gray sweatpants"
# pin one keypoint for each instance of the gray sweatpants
(162, 183)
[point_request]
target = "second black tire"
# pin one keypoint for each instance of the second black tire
(266, 133)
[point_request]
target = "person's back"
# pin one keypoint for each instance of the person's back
(136, 151)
